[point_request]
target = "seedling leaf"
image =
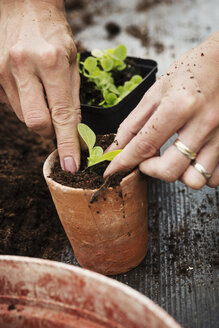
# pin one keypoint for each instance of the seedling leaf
(97, 53)
(120, 51)
(110, 98)
(95, 153)
(107, 64)
(136, 79)
(129, 86)
(90, 64)
(120, 89)
(109, 155)
(113, 88)
(87, 135)
(121, 67)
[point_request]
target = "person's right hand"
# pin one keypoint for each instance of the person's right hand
(38, 58)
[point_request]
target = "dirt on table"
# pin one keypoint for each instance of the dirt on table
(81, 15)
(147, 4)
(113, 29)
(29, 224)
(140, 33)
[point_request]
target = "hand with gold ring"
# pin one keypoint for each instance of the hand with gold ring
(185, 100)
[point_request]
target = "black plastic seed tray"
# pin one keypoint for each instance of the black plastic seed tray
(107, 120)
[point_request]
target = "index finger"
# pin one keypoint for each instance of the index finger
(137, 118)
(169, 117)
(62, 90)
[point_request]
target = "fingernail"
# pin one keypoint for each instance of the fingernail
(106, 172)
(108, 148)
(69, 164)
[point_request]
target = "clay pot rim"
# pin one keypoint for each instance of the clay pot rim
(47, 169)
(155, 309)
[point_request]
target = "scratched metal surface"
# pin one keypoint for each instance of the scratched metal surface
(180, 271)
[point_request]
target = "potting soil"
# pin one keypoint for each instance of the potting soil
(88, 177)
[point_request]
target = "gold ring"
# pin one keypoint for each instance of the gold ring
(202, 170)
(184, 150)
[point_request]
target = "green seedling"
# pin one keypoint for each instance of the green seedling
(111, 58)
(98, 67)
(96, 154)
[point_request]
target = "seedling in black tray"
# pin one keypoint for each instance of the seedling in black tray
(112, 84)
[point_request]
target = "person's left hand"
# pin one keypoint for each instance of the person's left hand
(184, 101)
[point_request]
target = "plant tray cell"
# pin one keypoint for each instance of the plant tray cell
(107, 120)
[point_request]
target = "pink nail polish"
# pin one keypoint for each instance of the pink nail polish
(69, 164)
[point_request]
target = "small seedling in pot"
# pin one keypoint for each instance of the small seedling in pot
(98, 67)
(96, 154)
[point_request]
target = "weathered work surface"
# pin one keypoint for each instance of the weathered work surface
(180, 271)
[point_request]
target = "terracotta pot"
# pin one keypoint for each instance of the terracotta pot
(38, 293)
(109, 236)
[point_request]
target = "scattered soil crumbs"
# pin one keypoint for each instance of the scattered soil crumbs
(112, 29)
(147, 4)
(87, 178)
(190, 249)
(140, 33)
(159, 47)
(81, 15)
(29, 225)
(80, 47)
(74, 4)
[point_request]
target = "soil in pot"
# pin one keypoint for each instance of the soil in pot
(88, 178)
